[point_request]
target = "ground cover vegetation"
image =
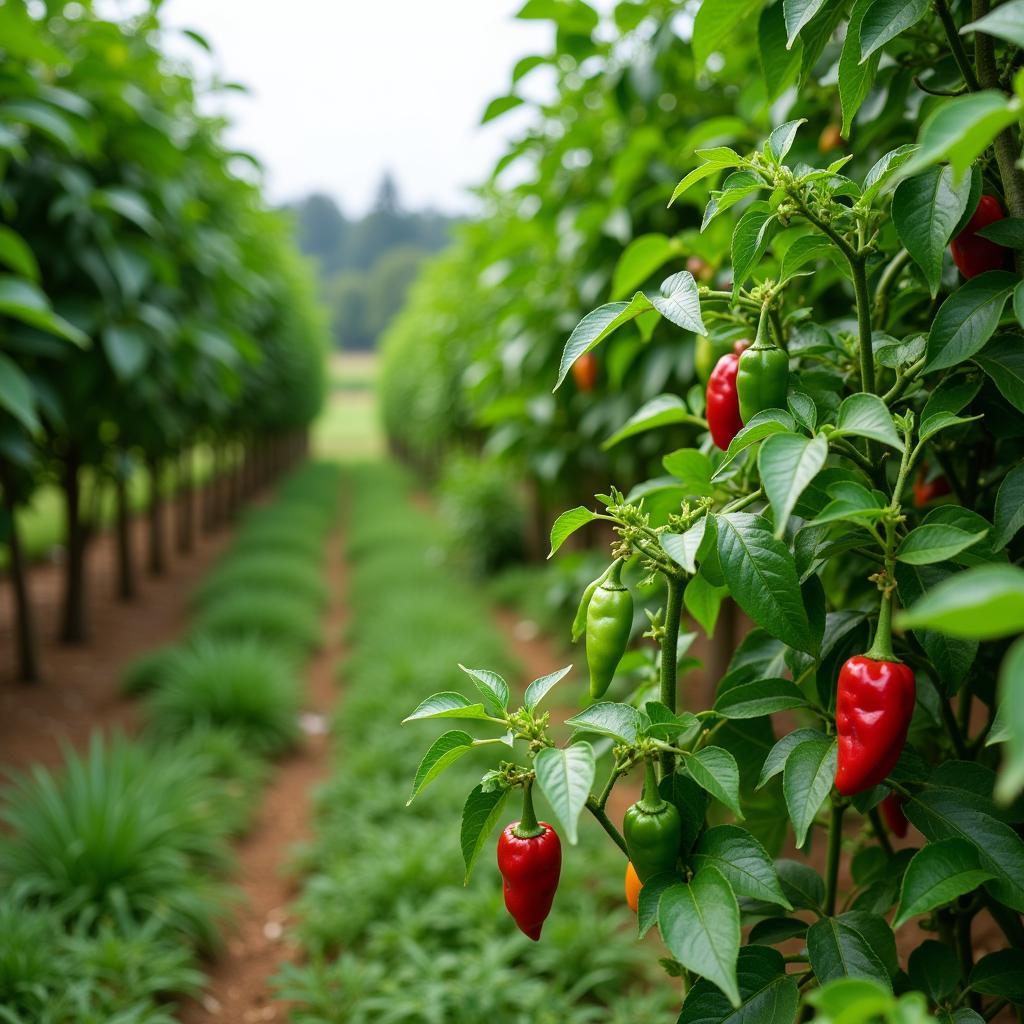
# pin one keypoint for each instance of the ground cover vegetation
(755, 285)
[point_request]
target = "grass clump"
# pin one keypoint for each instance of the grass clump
(268, 573)
(239, 683)
(277, 619)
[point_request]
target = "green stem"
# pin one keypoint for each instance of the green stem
(741, 503)
(867, 356)
(835, 838)
(605, 823)
(880, 833)
(903, 381)
(651, 801)
(881, 649)
(602, 800)
(528, 827)
(885, 283)
(670, 654)
(956, 44)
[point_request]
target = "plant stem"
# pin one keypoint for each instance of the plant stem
(858, 267)
(879, 829)
(528, 827)
(956, 44)
(741, 503)
(885, 283)
(669, 653)
(608, 786)
(605, 822)
(835, 838)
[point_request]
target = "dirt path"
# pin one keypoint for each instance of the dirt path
(239, 991)
(79, 691)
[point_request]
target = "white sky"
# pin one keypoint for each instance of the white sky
(343, 89)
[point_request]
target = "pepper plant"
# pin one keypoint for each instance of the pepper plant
(856, 486)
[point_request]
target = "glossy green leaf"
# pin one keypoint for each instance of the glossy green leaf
(565, 775)
(807, 781)
(479, 816)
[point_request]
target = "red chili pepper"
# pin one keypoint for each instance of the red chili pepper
(530, 861)
(723, 404)
(928, 490)
(874, 705)
(584, 371)
(974, 255)
(892, 811)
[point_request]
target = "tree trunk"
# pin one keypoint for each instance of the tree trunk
(73, 626)
(209, 493)
(186, 503)
(26, 649)
(157, 564)
(126, 590)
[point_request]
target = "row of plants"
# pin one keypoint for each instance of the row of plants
(840, 455)
(388, 934)
(116, 865)
(151, 305)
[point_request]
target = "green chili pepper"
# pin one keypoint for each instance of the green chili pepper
(609, 623)
(707, 350)
(579, 623)
(763, 376)
(652, 831)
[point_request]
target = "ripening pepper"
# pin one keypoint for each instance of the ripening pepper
(926, 490)
(652, 831)
(762, 379)
(530, 862)
(874, 705)
(722, 405)
(584, 372)
(706, 353)
(633, 887)
(973, 255)
(609, 623)
(892, 811)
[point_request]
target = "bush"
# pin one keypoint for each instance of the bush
(270, 573)
(125, 830)
(284, 620)
(146, 672)
(240, 683)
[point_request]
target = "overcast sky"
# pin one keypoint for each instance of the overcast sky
(342, 90)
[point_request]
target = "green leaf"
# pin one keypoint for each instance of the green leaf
(801, 884)
(775, 762)
(759, 697)
(693, 469)
(444, 751)
(16, 254)
(1003, 360)
(641, 258)
(716, 21)
(679, 302)
(526, 64)
(127, 348)
(1008, 232)
(703, 601)
(492, 686)
(767, 994)
(479, 816)
(650, 898)
(925, 210)
(807, 781)
(567, 524)
(761, 575)
(565, 775)
(934, 969)
(682, 548)
(866, 415)
(935, 543)
(810, 249)
(844, 947)
(23, 301)
(699, 173)
(850, 501)
(961, 129)
(762, 425)
(797, 13)
(779, 63)
(855, 78)
(787, 463)
(596, 326)
(715, 770)
(17, 395)
(984, 602)
(620, 721)
(937, 875)
(539, 688)
(1005, 22)
(742, 860)
(500, 105)
(967, 319)
(700, 925)
(448, 704)
(1000, 974)
(781, 139)
(1011, 720)
(750, 239)
(660, 411)
(942, 421)
(884, 20)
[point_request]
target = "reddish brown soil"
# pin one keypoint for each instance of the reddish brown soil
(79, 691)
(239, 991)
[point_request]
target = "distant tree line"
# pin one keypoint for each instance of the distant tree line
(366, 265)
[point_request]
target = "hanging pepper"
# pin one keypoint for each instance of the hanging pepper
(633, 887)
(723, 406)
(973, 255)
(926, 490)
(706, 353)
(609, 623)
(892, 811)
(874, 705)
(579, 623)
(530, 861)
(584, 372)
(763, 376)
(652, 831)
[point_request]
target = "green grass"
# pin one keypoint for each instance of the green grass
(279, 573)
(390, 933)
(349, 427)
